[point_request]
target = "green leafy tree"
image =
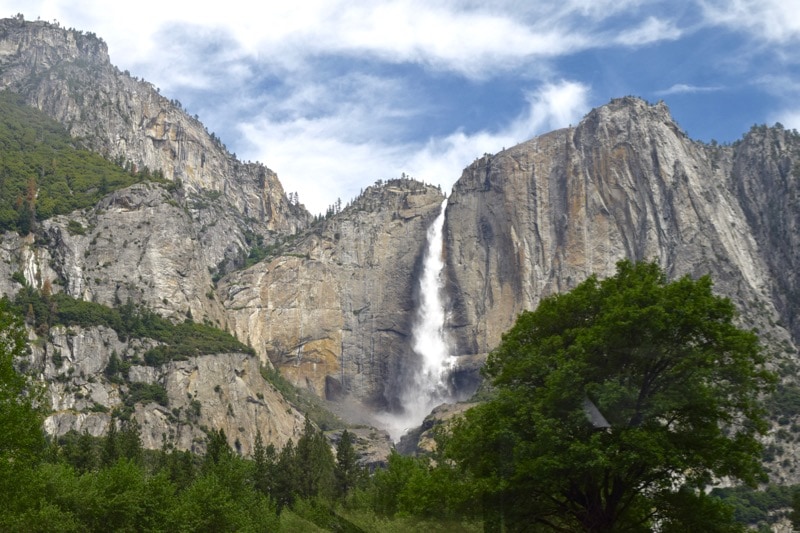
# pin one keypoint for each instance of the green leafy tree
(207, 505)
(616, 404)
(21, 437)
(390, 483)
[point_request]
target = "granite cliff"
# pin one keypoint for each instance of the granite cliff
(331, 304)
(538, 218)
(159, 245)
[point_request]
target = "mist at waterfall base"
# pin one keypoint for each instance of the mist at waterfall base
(428, 384)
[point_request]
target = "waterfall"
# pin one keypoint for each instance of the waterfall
(427, 386)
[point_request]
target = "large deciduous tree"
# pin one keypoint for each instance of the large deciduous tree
(616, 404)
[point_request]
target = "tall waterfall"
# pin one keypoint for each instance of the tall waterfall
(427, 386)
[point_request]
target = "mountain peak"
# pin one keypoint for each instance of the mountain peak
(42, 45)
(68, 75)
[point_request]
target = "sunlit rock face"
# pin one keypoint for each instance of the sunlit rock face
(533, 220)
(158, 245)
(335, 310)
(626, 182)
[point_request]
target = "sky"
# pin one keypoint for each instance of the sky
(335, 94)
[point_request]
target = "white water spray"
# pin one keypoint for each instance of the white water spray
(428, 386)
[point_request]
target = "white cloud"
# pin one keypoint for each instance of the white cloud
(319, 167)
(313, 159)
(260, 72)
(552, 106)
(473, 39)
(683, 88)
(651, 30)
(779, 85)
(773, 21)
(790, 118)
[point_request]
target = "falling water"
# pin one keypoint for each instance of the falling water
(428, 387)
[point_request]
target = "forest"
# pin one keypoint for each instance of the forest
(583, 430)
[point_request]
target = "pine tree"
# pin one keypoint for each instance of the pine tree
(315, 463)
(217, 447)
(129, 441)
(347, 470)
(110, 452)
(286, 479)
(264, 466)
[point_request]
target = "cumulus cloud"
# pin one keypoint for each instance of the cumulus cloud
(332, 94)
(471, 38)
(551, 106)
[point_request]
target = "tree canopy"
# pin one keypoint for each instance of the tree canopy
(615, 405)
(21, 435)
(44, 172)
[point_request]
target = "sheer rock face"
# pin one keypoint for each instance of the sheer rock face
(142, 247)
(137, 245)
(335, 312)
(766, 180)
(625, 183)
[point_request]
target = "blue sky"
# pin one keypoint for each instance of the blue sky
(336, 94)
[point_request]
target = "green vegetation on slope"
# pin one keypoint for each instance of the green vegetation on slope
(759, 508)
(182, 340)
(44, 172)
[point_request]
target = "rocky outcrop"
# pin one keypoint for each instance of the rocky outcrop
(372, 447)
(222, 391)
(422, 440)
(334, 310)
(542, 216)
(141, 245)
